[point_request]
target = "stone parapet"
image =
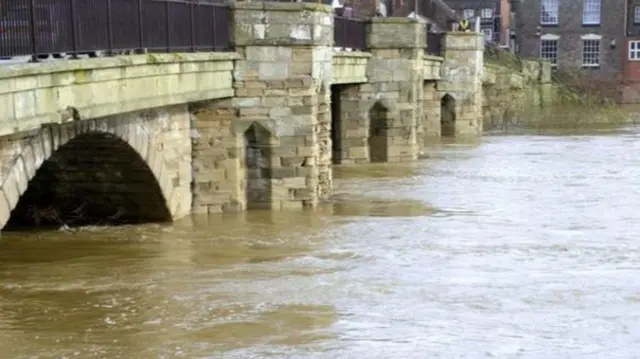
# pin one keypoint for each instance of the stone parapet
(432, 68)
(431, 121)
(350, 67)
(35, 94)
(396, 33)
(282, 24)
(516, 95)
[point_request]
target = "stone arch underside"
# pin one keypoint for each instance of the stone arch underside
(102, 171)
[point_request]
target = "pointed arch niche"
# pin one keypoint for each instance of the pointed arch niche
(447, 116)
(258, 149)
(378, 133)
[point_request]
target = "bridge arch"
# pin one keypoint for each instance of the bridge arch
(98, 171)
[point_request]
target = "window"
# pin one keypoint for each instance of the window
(488, 35)
(591, 50)
(636, 15)
(591, 12)
(634, 50)
(549, 12)
(549, 48)
(486, 13)
(468, 13)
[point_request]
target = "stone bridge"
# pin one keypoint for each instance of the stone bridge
(149, 138)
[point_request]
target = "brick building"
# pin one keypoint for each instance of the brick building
(494, 17)
(580, 35)
(631, 56)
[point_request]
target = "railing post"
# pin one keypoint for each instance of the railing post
(109, 30)
(214, 26)
(363, 34)
(192, 27)
(167, 25)
(74, 31)
(32, 23)
(140, 27)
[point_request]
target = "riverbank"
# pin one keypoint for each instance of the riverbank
(566, 118)
(525, 95)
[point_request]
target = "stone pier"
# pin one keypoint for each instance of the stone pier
(272, 140)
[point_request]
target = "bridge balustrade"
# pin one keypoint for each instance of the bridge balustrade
(434, 42)
(43, 27)
(349, 33)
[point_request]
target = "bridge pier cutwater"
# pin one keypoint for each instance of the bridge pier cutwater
(154, 137)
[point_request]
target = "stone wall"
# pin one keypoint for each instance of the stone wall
(218, 163)
(350, 67)
(351, 125)
(513, 96)
(431, 122)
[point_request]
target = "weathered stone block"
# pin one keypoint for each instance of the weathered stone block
(396, 32)
(273, 71)
(282, 24)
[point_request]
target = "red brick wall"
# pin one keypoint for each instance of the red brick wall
(505, 14)
(631, 69)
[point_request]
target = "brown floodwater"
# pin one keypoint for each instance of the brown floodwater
(509, 246)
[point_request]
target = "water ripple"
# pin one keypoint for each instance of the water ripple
(522, 246)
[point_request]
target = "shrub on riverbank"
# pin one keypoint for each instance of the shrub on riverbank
(581, 101)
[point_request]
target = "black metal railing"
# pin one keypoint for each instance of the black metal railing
(434, 43)
(300, 1)
(349, 33)
(44, 27)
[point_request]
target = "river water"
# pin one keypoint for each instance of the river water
(509, 247)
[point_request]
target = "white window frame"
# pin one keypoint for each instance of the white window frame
(550, 37)
(591, 12)
(592, 39)
(636, 14)
(488, 34)
(634, 50)
(468, 13)
(486, 13)
(551, 8)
